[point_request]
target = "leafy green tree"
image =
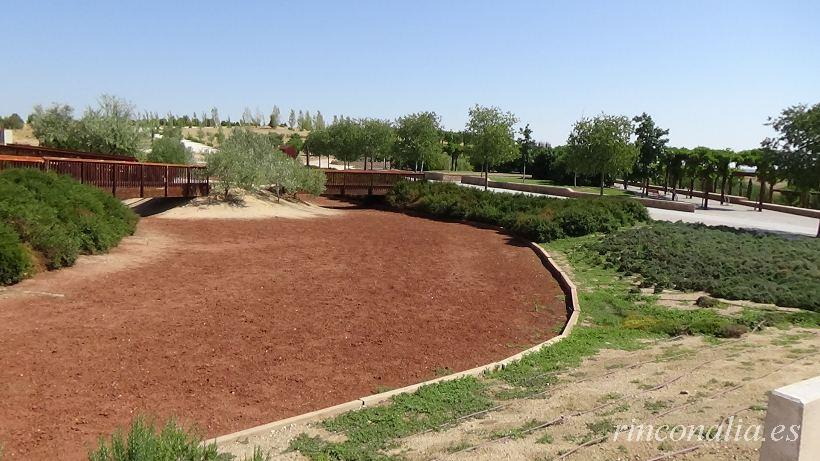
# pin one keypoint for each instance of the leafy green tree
(111, 128)
(706, 161)
(418, 139)
(251, 161)
(798, 139)
(453, 146)
(674, 158)
(56, 126)
(379, 137)
(318, 143)
(292, 119)
(601, 146)
(307, 122)
(525, 147)
(493, 140)
(12, 122)
(723, 160)
(273, 121)
(347, 140)
(169, 149)
(296, 142)
(320, 121)
(651, 141)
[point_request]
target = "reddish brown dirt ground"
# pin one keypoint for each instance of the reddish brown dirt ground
(230, 324)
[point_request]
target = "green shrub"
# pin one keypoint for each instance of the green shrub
(14, 260)
(60, 218)
(540, 219)
(725, 262)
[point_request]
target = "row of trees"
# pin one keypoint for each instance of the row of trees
(418, 140)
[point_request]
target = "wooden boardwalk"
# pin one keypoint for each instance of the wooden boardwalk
(123, 179)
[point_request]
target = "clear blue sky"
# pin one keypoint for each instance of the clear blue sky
(710, 71)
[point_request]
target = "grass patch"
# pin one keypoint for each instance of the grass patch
(725, 262)
(370, 430)
(172, 442)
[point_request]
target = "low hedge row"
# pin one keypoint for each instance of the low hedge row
(724, 262)
(539, 219)
(52, 219)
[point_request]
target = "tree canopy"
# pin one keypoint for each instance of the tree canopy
(418, 139)
(602, 146)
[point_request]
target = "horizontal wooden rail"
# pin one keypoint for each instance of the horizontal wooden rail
(123, 179)
(39, 151)
(365, 182)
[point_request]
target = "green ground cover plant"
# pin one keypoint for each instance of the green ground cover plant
(51, 219)
(540, 219)
(725, 262)
(613, 316)
(172, 442)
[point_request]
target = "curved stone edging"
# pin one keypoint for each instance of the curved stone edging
(573, 311)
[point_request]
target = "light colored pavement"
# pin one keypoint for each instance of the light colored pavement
(737, 216)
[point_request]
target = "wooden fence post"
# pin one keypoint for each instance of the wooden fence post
(166, 180)
(188, 186)
(114, 179)
(82, 172)
(142, 180)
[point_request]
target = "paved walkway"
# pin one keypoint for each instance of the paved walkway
(738, 216)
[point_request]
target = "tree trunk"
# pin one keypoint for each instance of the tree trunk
(523, 171)
(771, 193)
(674, 188)
(602, 185)
(307, 158)
(666, 180)
(704, 186)
(723, 189)
(760, 195)
(575, 180)
(749, 190)
(691, 186)
(486, 176)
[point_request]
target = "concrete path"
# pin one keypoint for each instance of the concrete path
(737, 216)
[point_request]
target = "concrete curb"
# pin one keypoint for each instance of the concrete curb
(573, 311)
